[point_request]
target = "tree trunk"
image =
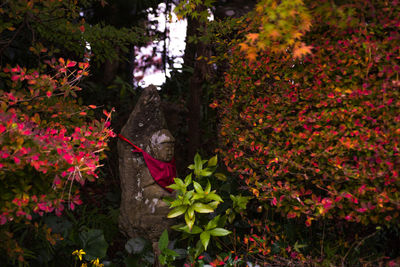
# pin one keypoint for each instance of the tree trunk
(192, 52)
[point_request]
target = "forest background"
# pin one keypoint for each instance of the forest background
(299, 99)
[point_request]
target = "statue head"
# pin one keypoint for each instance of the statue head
(162, 145)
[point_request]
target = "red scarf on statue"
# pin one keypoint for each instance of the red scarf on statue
(162, 172)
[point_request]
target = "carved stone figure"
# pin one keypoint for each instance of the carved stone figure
(142, 211)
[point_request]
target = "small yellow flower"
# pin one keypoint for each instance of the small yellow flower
(79, 253)
(84, 265)
(97, 263)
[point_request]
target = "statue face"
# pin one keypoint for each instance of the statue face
(162, 145)
(164, 152)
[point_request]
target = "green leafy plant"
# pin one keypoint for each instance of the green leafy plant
(93, 244)
(239, 205)
(167, 255)
(192, 201)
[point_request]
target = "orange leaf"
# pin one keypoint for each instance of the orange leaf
(251, 55)
(243, 47)
(300, 51)
(252, 37)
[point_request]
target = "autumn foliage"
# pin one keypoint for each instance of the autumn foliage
(317, 135)
(49, 144)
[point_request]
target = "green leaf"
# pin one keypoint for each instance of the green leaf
(205, 173)
(177, 227)
(199, 248)
(213, 161)
(168, 200)
(213, 196)
(297, 246)
(188, 180)
(197, 196)
(231, 217)
(179, 182)
(163, 242)
(94, 244)
(219, 232)
(189, 221)
(198, 164)
(214, 204)
(162, 259)
(195, 229)
(213, 223)
(208, 187)
(197, 187)
(174, 187)
(202, 208)
(190, 211)
(191, 167)
(171, 253)
(187, 198)
(176, 203)
(205, 239)
(177, 211)
(220, 176)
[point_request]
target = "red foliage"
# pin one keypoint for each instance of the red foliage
(319, 137)
(47, 142)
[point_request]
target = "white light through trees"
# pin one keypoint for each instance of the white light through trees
(175, 47)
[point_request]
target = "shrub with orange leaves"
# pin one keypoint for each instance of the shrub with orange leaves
(316, 136)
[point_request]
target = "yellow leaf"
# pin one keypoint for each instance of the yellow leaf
(255, 192)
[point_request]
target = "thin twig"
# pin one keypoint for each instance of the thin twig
(358, 244)
(12, 38)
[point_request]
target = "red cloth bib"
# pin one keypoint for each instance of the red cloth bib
(162, 172)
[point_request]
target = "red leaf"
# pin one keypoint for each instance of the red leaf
(71, 64)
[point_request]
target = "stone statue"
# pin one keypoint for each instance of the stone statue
(142, 211)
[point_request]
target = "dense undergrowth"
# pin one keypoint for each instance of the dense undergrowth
(307, 138)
